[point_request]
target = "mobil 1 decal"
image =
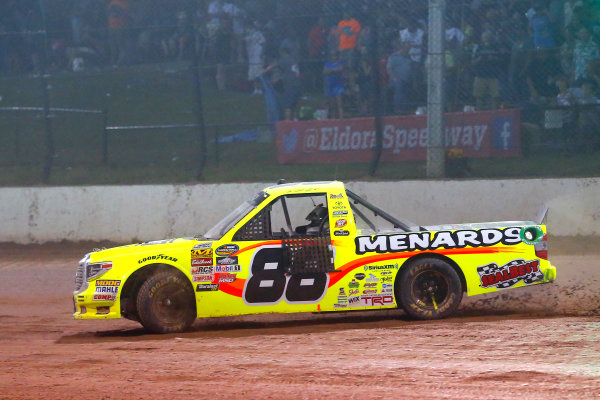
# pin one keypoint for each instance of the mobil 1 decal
(510, 274)
(432, 241)
(268, 284)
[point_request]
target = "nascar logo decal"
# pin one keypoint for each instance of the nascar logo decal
(508, 275)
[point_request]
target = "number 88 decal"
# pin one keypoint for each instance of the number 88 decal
(267, 282)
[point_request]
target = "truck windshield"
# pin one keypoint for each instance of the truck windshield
(224, 225)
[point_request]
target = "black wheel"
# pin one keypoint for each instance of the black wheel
(429, 289)
(166, 303)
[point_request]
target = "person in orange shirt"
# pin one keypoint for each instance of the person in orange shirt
(348, 31)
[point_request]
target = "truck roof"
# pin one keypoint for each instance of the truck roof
(303, 187)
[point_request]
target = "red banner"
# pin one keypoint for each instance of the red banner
(479, 134)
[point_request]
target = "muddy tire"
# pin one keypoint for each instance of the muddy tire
(429, 288)
(166, 303)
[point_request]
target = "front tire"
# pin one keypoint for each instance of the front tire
(166, 303)
(429, 288)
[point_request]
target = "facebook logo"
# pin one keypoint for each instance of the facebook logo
(503, 136)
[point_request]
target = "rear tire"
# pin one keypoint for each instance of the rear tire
(166, 303)
(429, 288)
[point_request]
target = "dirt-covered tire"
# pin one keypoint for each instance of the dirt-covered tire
(429, 288)
(166, 303)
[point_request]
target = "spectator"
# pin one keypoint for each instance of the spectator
(317, 49)
(485, 66)
(219, 40)
(414, 38)
(255, 43)
(236, 17)
(399, 70)
(348, 30)
(118, 21)
(365, 81)
(333, 73)
(175, 45)
(585, 50)
(540, 76)
(290, 81)
(541, 28)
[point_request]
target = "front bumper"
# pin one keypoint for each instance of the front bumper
(84, 307)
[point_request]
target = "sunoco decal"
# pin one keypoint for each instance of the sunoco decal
(444, 239)
(508, 275)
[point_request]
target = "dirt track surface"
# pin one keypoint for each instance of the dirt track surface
(541, 342)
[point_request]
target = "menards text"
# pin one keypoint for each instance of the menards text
(444, 239)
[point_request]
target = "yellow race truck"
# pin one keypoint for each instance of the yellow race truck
(309, 247)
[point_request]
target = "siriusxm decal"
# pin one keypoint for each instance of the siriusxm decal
(429, 241)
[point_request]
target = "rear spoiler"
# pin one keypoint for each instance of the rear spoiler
(542, 215)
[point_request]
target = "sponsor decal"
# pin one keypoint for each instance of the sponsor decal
(341, 233)
(339, 205)
(198, 262)
(340, 223)
(342, 291)
(227, 260)
(531, 234)
(203, 278)
(157, 257)
(227, 268)
(227, 249)
(200, 253)
(510, 274)
(107, 289)
(370, 285)
(370, 291)
(383, 273)
(207, 287)
(104, 282)
(203, 246)
(372, 278)
(353, 284)
(201, 270)
(353, 292)
(227, 278)
(336, 196)
(340, 305)
(386, 279)
(386, 288)
(382, 300)
(340, 213)
(105, 297)
(360, 276)
(431, 241)
(380, 267)
(354, 300)
(110, 287)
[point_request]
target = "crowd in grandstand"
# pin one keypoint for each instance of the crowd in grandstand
(497, 53)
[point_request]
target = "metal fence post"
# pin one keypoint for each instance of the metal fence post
(435, 90)
(105, 137)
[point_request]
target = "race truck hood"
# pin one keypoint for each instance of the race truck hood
(154, 247)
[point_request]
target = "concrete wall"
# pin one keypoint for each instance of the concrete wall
(132, 213)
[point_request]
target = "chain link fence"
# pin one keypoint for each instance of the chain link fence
(105, 87)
